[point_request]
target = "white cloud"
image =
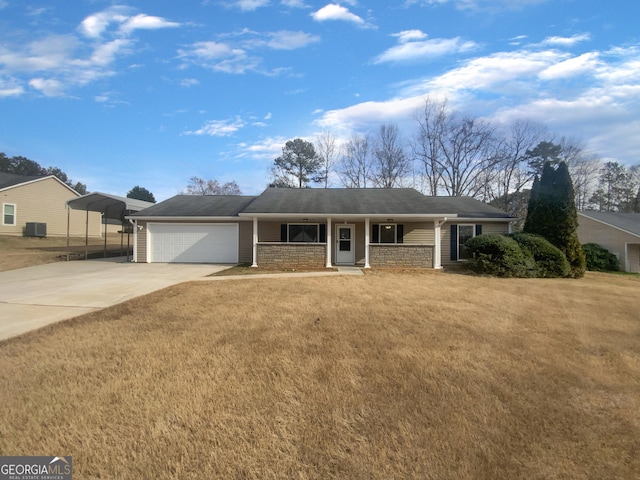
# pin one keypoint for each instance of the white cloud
(565, 41)
(94, 26)
(479, 4)
(410, 50)
(49, 87)
(146, 22)
(249, 5)
(288, 40)
(221, 57)
(600, 102)
(294, 3)
(233, 55)
(189, 82)
(583, 64)
(409, 35)
(10, 88)
(64, 61)
(219, 128)
(334, 11)
(265, 149)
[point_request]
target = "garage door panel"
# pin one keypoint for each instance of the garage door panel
(198, 243)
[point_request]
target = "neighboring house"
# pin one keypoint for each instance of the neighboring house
(314, 228)
(41, 200)
(617, 232)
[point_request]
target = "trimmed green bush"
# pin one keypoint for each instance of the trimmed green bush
(500, 256)
(600, 259)
(549, 260)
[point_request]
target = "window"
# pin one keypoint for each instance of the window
(465, 232)
(307, 233)
(459, 235)
(8, 214)
(387, 233)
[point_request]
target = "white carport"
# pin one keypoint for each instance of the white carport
(112, 207)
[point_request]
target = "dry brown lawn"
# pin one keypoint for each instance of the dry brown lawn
(388, 375)
(20, 252)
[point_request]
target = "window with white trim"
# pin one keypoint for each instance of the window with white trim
(8, 214)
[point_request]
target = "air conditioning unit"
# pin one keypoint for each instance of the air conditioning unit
(35, 229)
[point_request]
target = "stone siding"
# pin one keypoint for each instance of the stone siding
(309, 255)
(401, 256)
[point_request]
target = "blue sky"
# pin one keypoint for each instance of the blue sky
(119, 94)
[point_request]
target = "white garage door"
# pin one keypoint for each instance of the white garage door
(193, 243)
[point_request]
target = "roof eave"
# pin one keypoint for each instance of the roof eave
(173, 218)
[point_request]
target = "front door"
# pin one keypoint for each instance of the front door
(345, 246)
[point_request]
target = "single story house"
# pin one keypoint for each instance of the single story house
(42, 200)
(314, 228)
(617, 232)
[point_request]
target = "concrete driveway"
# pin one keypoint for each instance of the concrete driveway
(36, 296)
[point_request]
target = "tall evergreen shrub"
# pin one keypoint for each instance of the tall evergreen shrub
(553, 214)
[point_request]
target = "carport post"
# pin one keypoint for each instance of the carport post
(68, 221)
(86, 235)
(104, 218)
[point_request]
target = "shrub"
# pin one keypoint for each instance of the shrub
(549, 260)
(600, 259)
(500, 256)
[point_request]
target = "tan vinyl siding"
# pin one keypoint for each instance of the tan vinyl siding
(141, 243)
(611, 238)
(633, 258)
(245, 247)
(269, 231)
(44, 201)
(419, 233)
(445, 235)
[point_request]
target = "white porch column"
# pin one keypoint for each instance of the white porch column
(366, 243)
(329, 242)
(254, 262)
(437, 248)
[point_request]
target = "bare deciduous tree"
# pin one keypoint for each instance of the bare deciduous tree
(391, 162)
(200, 186)
(512, 174)
(461, 153)
(355, 162)
(426, 146)
(327, 150)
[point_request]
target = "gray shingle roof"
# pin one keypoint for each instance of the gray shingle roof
(197, 206)
(366, 201)
(10, 179)
(626, 221)
(321, 201)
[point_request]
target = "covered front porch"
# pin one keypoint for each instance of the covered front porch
(366, 241)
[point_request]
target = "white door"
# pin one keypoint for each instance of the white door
(194, 243)
(345, 245)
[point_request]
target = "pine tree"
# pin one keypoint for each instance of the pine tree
(553, 214)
